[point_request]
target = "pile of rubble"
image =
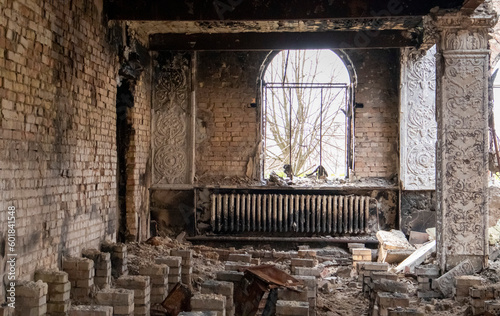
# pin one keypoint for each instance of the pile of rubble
(167, 277)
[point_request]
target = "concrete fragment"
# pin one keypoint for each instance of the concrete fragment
(418, 238)
(394, 256)
(391, 240)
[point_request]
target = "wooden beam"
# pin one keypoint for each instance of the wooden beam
(260, 10)
(285, 40)
(470, 5)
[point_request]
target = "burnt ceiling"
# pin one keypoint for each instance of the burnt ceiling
(262, 24)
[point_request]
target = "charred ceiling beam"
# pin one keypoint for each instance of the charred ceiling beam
(471, 5)
(286, 40)
(259, 10)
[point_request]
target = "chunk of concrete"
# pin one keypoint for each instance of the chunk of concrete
(391, 240)
(417, 257)
(418, 238)
(397, 255)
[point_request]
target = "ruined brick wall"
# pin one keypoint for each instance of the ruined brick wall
(227, 127)
(138, 163)
(377, 131)
(57, 127)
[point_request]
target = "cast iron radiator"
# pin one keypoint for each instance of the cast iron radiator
(305, 213)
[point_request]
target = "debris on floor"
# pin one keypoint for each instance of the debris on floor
(169, 277)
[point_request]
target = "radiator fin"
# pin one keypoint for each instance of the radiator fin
(328, 214)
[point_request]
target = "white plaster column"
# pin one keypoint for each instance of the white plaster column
(462, 71)
(417, 119)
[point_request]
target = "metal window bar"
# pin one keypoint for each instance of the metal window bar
(284, 85)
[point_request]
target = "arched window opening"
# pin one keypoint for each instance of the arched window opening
(306, 115)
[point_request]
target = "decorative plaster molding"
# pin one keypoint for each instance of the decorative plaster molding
(171, 122)
(418, 119)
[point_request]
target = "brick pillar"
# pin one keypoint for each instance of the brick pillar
(462, 72)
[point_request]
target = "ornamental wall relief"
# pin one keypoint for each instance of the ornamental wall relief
(461, 182)
(417, 119)
(171, 119)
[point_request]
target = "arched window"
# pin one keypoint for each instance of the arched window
(306, 114)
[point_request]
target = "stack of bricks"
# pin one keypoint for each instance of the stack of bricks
(58, 301)
(236, 261)
(102, 265)
(174, 269)
(230, 276)
(291, 308)
(142, 287)
(480, 294)
(386, 303)
(382, 287)
(361, 254)
(371, 282)
(463, 283)
(209, 303)
(118, 253)
(305, 267)
(288, 295)
(492, 307)
(90, 310)
(81, 275)
(222, 288)
(121, 300)
(426, 276)
(354, 245)
(158, 275)
(305, 252)
(312, 289)
(186, 267)
(31, 298)
(365, 269)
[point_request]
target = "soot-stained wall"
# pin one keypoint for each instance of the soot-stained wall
(58, 118)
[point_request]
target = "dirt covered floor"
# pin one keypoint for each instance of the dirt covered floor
(339, 292)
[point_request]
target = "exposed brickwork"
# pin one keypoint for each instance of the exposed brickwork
(228, 137)
(376, 133)
(138, 169)
(227, 129)
(57, 130)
